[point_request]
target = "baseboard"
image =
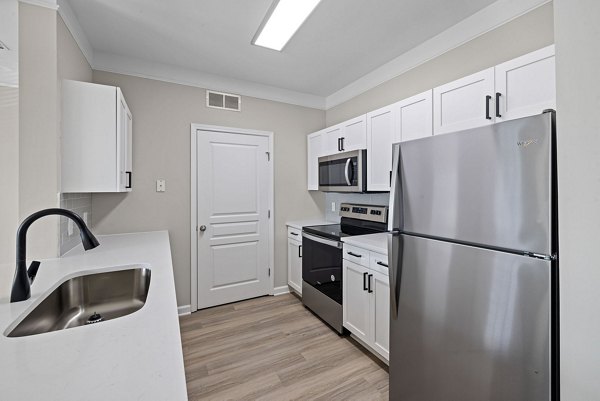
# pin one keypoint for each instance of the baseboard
(284, 289)
(184, 310)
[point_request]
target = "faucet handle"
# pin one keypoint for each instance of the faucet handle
(32, 271)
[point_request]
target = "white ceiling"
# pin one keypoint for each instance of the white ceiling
(342, 41)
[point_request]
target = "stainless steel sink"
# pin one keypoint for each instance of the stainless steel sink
(87, 299)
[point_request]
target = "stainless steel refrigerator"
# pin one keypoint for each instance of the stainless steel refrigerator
(473, 264)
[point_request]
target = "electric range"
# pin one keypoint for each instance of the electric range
(322, 258)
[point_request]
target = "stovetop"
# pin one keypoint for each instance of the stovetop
(346, 228)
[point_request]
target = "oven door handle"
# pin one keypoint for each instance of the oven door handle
(346, 173)
(324, 241)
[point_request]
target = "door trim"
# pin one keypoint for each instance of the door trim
(194, 201)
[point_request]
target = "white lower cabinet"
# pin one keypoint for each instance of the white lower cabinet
(295, 259)
(366, 304)
(356, 300)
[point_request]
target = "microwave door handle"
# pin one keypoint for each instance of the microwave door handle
(346, 173)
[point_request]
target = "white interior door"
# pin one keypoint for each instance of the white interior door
(233, 191)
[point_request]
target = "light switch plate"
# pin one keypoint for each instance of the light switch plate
(161, 186)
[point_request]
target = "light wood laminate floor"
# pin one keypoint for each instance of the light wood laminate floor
(272, 348)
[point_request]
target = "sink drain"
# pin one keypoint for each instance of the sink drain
(95, 318)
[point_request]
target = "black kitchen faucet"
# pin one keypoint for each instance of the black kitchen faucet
(21, 289)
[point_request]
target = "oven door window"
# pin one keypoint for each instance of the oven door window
(339, 172)
(322, 268)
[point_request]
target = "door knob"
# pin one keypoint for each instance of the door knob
(203, 228)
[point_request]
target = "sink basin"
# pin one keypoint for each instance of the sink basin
(87, 299)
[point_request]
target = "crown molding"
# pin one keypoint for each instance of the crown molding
(72, 23)
(51, 4)
(483, 21)
(184, 76)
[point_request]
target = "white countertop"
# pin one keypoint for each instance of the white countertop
(303, 223)
(371, 242)
(134, 357)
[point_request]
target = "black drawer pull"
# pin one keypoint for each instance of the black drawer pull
(498, 94)
(354, 254)
(296, 234)
(382, 264)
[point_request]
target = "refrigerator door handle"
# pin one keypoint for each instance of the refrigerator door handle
(395, 210)
(395, 270)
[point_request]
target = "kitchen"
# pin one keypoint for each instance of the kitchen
(166, 93)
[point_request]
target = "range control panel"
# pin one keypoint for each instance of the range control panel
(364, 212)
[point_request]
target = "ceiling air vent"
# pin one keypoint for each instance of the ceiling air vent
(225, 101)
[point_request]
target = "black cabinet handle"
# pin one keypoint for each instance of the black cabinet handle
(487, 107)
(339, 144)
(300, 251)
(382, 264)
(370, 277)
(365, 281)
(498, 94)
(296, 234)
(390, 178)
(354, 254)
(128, 179)
(342, 138)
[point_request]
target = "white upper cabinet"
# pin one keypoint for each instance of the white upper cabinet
(526, 85)
(520, 87)
(346, 136)
(381, 126)
(465, 103)
(96, 143)
(314, 146)
(415, 117)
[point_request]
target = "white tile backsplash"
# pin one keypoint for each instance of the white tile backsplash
(79, 203)
(380, 198)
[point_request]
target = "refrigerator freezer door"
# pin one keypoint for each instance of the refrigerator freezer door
(489, 186)
(472, 324)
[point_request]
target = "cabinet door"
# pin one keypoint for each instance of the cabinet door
(313, 152)
(124, 144)
(295, 265)
(330, 140)
(380, 133)
(526, 85)
(356, 300)
(465, 103)
(415, 117)
(354, 134)
(380, 313)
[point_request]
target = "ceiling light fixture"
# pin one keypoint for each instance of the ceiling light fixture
(282, 21)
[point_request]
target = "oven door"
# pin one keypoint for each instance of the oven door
(322, 265)
(343, 172)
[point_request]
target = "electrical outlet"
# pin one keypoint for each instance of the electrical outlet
(161, 186)
(333, 206)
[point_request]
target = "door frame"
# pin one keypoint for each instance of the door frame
(194, 202)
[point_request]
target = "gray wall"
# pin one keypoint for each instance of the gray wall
(529, 32)
(38, 125)
(578, 89)
(9, 166)
(162, 114)
(72, 64)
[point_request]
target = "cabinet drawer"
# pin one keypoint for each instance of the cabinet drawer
(294, 233)
(379, 262)
(356, 255)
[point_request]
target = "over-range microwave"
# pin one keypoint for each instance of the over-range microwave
(343, 172)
